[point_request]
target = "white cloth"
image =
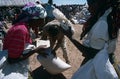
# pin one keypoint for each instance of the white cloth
(28, 47)
(97, 68)
(18, 70)
(54, 65)
(15, 71)
(98, 35)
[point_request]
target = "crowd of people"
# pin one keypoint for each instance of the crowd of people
(99, 37)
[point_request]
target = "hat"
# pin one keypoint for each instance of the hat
(36, 11)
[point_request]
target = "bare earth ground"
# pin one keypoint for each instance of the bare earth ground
(74, 55)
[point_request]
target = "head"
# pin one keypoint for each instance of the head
(31, 14)
(97, 6)
(53, 30)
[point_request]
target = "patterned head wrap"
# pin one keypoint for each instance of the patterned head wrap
(31, 11)
(36, 11)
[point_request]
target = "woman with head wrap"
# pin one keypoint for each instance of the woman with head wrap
(18, 42)
(19, 34)
(99, 37)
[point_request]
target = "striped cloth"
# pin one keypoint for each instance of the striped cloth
(15, 40)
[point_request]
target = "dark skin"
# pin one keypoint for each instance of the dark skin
(37, 24)
(86, 51)
(59, 38)
(95, 9)
(36, 50)
(25, 56)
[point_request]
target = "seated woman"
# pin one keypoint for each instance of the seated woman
(18, 38)
(18, 35)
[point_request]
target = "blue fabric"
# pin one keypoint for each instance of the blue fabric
(49, 9)
(35, 10)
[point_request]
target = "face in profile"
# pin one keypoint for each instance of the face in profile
(36, 23)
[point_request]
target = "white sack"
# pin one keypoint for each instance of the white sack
(59, 15)
(15, 71)
(53, 65)
(97, 68)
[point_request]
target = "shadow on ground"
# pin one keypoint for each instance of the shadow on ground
(41, 73)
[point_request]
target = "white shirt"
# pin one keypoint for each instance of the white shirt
(98, 35)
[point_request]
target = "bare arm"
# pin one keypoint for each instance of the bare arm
(83, 49)
(44, 35)
(60, 39)
(25, 56)
(38, 49)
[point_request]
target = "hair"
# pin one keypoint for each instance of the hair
(25, 17)
(53, 30)
(37, 2)
(103, 6)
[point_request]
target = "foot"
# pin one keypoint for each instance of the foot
(68, 62)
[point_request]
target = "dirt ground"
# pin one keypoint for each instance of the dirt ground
(74, 55)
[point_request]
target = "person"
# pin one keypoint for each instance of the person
(18, 42)
(52, 32)
(18, 35)
(49, 9)
(99, 38)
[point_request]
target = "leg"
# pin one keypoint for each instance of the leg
(63, 46)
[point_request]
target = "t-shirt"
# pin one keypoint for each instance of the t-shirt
(98, 35)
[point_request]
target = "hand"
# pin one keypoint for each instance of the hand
(40, 48)
(54, 53)
(43, 54)
(69, 33)
(42, 51)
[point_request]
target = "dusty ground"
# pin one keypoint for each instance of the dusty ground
(75, 58)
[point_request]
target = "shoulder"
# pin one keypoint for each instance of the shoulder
(20, 28)
(51, 23)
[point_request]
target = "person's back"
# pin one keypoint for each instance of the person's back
(53, 32)
(18, 35)
(16, 38)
